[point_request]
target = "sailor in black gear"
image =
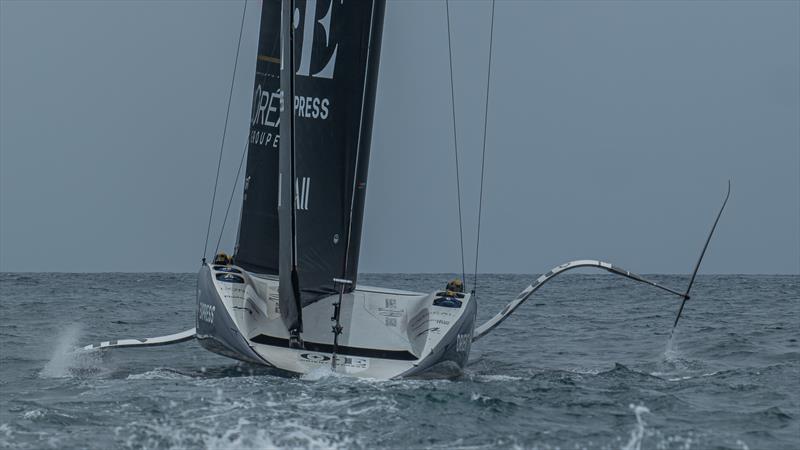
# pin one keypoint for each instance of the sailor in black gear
(455, 285)
(222, 259)
(450, 297)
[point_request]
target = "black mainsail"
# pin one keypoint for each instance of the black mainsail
(330, 69)
(257, 244)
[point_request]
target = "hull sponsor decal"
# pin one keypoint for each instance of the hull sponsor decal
(462, 342)
(205, 312)
(341, 360)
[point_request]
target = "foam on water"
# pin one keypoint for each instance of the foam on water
(295, 434)
(359, 411)
(476, 397)
(238, 437)
(33, 414)
(245, 433)
(159, 373)
(497, 377)
(320, 373)
(587, 371)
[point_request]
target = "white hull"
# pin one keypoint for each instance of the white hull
(386, 333)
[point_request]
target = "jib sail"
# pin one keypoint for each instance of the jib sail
(330, 67)
(257, 245)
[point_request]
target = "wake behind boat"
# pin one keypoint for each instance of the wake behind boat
(289, 296)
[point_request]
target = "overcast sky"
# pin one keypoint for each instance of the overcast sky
(613, 129)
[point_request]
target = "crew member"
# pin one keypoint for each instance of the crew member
(449, 298)
(222, 259)
(455, 285)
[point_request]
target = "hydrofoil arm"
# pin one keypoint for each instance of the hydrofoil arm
(490, 324)
(169, 339)
(502, 315)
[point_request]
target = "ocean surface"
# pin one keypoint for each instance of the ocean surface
(585, 363)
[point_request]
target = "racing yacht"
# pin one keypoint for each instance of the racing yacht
(289, 296)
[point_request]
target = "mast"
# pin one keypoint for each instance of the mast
(289, 291)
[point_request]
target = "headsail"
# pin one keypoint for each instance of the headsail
(257, 245)
(331, 60)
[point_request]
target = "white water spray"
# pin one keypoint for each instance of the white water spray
(637, 434)
(65, 357)
(671, 350)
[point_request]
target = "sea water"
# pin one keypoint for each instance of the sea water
(585, 363)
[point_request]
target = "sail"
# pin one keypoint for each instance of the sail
(257, 244)
(331, 54)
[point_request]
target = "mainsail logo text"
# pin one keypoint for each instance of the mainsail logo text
(266, 113)
(302, 191)
(317, 56)
(311, 107)
(326, 51)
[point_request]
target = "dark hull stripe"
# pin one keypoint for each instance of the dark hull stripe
(401, 355)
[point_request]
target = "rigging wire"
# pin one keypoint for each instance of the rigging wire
(455, 143)
(230, 200)
(224, 133)
(483, 157)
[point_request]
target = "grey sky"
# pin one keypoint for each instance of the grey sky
(613, 127)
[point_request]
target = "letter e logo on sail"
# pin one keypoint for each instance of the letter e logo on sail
(309, 26)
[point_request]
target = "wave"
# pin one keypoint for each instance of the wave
(159, 373)
(244, 434)
(19, 279)
(495, 378)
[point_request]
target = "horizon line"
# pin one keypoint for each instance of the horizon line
(598, 272)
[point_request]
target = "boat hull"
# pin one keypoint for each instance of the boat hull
(386, 333)
(215, 328)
